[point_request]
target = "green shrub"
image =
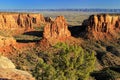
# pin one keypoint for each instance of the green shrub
(69, 63)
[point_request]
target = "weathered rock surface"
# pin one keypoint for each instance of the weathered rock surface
(7, 41)
(14, 74)
(20, 20)
(102, 26)
(25, 21)
(56, 30)
(8, 71)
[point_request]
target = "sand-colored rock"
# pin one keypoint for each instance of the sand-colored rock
(5, 63)
(8, 71)
(102, 26)
(56, 30)
(14, 74)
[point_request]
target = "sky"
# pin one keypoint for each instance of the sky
(59, 4)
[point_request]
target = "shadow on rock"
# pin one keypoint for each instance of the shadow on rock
(34, 33)
(77, 31)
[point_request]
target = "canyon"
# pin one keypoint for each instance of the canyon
(99, 33)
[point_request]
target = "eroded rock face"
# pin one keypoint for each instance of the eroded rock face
(20, 20)
(56, 30)
(102, 26)
(10, 21)
(25, 21)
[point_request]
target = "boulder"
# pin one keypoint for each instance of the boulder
(5, 63)
(14, 74)
(8, 71)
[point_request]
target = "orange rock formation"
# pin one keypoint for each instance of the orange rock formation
(20, 20)
(56, 30)
(102, 26)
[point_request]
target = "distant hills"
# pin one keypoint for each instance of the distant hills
(80, 10)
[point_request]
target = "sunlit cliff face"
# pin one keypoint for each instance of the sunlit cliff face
(8, 21)
(103, 26)
(57, 29)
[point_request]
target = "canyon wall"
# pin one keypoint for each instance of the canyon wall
(20, 20)
(102, 26)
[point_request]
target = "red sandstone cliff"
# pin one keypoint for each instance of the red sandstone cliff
(102, 26)
(20, 20)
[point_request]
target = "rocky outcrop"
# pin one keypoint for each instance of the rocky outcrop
(56, 30)
(20, 20)
(7, 41)
(102, 26)
(8, 71)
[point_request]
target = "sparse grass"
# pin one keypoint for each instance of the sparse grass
(25, 38)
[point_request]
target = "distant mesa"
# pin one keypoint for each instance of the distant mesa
(102, 26)
(56, 31)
